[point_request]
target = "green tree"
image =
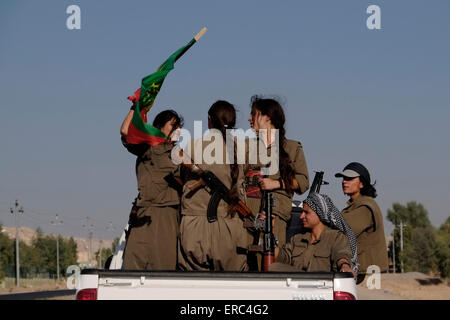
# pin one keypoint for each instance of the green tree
(45, 247)
(114, 244)
(414, 214)
(6, 249)
(107, 252)
(28, 257)
(6, 252)
(418, 237)
(442, 252)
(67, 254)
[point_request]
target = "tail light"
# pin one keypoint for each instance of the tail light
(87, 294)
(342, 295)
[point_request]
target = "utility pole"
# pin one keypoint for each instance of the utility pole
(16, 211)
(100, 255)
(401, 241)
(393, 247)
(89, 227)
(111, 228)
(57, 223)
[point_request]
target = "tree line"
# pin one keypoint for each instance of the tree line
(426, 249)
(39, 258)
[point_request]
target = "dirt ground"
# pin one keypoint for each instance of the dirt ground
(406, 286)
(399, 286)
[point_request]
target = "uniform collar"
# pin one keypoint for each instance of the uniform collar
(357, 200)
(306, 237)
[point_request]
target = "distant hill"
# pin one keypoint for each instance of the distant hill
(26, 235)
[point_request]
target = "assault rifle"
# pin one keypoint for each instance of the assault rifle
(265, 226)
(219, 192)
(269, 238)
(317, 182)
(295, 225)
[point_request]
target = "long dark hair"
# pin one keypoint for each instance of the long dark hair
(167, 115)
(368, 189)
(222, 115)
(273, 109)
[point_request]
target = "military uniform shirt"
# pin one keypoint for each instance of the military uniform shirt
(319, 256)
(283, 199)
(364, 217)
(153, 165)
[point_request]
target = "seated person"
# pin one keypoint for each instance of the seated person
(328, 244)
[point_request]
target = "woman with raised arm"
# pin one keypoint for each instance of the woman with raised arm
(153, 225)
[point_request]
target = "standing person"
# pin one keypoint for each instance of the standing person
(152, 240)
(291, 175)
(364, 217)
(327, 243)
(219, 245)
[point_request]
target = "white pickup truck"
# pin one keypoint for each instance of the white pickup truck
(114, 283)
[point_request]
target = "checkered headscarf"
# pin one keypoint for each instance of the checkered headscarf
(332, 217)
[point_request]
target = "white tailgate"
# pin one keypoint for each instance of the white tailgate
(213, 289)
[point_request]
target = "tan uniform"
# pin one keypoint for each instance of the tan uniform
(219, 245)
(152, 243)
(319, 256)
(283, 199)
(364, 217)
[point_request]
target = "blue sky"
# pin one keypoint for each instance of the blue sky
(380, 97)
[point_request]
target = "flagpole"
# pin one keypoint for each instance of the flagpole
(200, 34)
(168, 65)
(194, 40)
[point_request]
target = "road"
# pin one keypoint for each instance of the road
(58, 294)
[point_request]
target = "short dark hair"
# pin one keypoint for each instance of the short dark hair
(164, 116)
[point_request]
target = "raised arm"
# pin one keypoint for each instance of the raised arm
(126, 123)
(136, 149)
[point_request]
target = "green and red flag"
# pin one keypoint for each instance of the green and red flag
(139, 130)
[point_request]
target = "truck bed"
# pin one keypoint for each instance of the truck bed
(199, 285)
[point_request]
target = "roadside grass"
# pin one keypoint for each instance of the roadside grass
(31, 284)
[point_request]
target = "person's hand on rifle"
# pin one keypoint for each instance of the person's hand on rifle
(262, 217)
(269, 184)
(272, 184)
